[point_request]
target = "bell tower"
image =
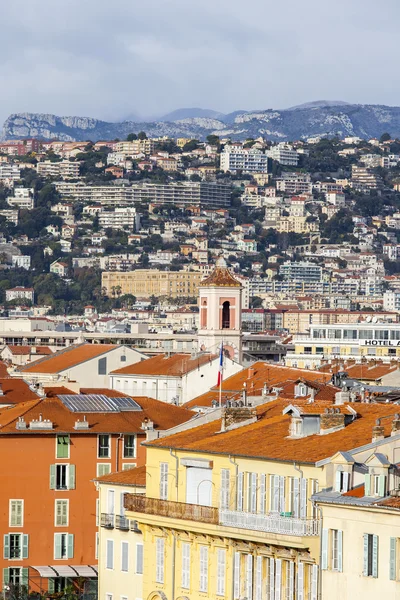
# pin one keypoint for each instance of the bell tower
(220, 306)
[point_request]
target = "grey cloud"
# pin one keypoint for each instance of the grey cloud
(109, 60)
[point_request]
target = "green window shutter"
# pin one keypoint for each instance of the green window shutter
(50, 586)
(6, 553)
(25, 545)
(324, 544)
(25, 577)
(71, 477)
(367, 484)
(6, 577)
(375, 556)
(52, 477)
(70, 545)
(62, 446)
(57, 545)
(392, 569)
(382, 485)
(366, 545)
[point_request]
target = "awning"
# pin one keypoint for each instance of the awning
(66, 571)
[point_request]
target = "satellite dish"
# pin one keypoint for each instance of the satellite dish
(374, 319)
(368, 319)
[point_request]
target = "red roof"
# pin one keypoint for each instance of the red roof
(169, 366)
(67, 358)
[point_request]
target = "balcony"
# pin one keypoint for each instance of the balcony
(107, 520)
(269, 523)
(172, 510)
(121, 523)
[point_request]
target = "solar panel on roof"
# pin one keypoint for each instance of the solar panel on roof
(97, 403)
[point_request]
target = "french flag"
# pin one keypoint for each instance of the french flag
(221, 365)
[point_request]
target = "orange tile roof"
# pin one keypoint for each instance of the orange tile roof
(135, 477)
(392, 502)
(357, 492)
(15, 391)
(22, 350)
(220, 277)
(162, 415)
(3, 370)
(268, 437)
(67, 358)
(170, 366)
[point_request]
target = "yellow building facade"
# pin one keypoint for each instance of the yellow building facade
(144, 283)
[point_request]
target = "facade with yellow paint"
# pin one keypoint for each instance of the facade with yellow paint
(144, 283)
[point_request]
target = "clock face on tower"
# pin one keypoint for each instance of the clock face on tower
(232, 351)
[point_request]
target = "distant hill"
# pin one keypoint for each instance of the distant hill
(318, 104)
(321, 118)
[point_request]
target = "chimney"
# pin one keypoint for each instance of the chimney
(236, 415)
(342, 397)
(378, 432)
(331, 419)
(250, 372)
(311, 399)
(396, 424)
(1, 390)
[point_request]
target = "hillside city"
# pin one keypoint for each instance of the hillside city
(200, 350)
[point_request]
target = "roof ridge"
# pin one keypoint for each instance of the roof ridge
(32, 405)
(48, 357)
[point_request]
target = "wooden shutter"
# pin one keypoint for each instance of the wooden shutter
(278, 579)
(300, 581)
(186, 566)
(50, 585)
(164, 481)
(271, 579)
(259, 564)
(6, 546)
(382, 485)
(367, 484)
(314, 582)
(340, 551)
(52, 477)
(296, 496)
(291, 580)
(6, 577)
(71, 477)
(225, 481)
(253, 492)
(16, 519)
(275, 496)
(346, 481)
(25, 545)
(392, 568)
(249, 575)
(236, 576)
(25, 577)
(281, 494)
(324, 549)
(263, 493)
(239, 492)
(160, 560)
(57, 545)
(70, 548)
(221, 567)
(366, 544)
(139, 559)
(338, 481)
(124, 556)
(375, 556)
(303, 498)
(203, 568)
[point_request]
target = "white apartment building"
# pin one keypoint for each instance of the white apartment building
(284, 154)
(294, 183)
(10, 215)
(135, 147)
(23, 198)
(248, 160)
(391, 301)
(120, 218)
(65, 169)
(21, 261)
(9, 172)
(19, 293)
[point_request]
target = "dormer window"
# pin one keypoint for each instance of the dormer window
(301, 390)
(376, 485)
(342, 481)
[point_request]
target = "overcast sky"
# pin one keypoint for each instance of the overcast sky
(113, 59)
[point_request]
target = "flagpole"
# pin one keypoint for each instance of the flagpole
(221, 375)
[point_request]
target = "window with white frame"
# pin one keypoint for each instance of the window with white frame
(103, 469)
(129, 446)
(103, 448)
(185, 566)
(15, 546)
(332, 550)
(160, 560)
(203, 587)
(221, 568)
(62, 477)
(163, 481)
(370, 555)
(62, 446)
(342, 481)
(110, 554)
(61, 511)
(16, 513)
(139, 559)
(63, 545)
(124, 556)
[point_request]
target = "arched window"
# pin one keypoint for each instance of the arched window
(226, 315)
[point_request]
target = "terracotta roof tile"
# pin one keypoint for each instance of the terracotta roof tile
(220, 277)
(26, 350)
(15, 391)
(135, 477)
(170, 366)
(357, 492)
(392, 502)
(67, 358)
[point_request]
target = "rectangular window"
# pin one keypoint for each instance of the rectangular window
(370, 555)
(124, 556)
(203, 568)
(104, 450)
(61, 513)
(102, 366)
(221, 566)
(249, 575)
(110, 554)
(14, 576)
(160, 560)
(16, 546)
(129, 446)
(186, 566)
(16, 513)
(225, 481)
(236, 576)
(163, 481)
(63, 545)
(96, 545)
(62, 477)
(63, 443)
(139, 559)
(103, 469)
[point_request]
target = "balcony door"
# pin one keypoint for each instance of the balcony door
(198, 486)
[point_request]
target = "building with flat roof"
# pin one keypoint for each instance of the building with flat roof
(144, 283)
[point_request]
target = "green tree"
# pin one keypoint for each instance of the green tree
(131, 137)
(385, 137)
(190, 146)
(212, 139)
(142, 135)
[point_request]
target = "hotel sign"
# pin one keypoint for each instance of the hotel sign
(381, 343)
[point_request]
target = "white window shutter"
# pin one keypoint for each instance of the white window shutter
(263, 493)
(139, 559)
(239, 492)
(374, 556)
(109, 553)
(124, 556)
(367, 484)
(338, 479)
(271, 578)
(281, 494)
(221, 568)
(340, 551)
(346, 482)
(303, 498)
(164, 481)
(186, 565)
(253, 492)
(366, 544)
(291, 580)
(314, 582)
(296, 496)
(275, 498)
(382, 486)
(259, 564)
(249, 576)
(160, 560)
(392, 570)
(236, 581)
(203, 568)
(300, 581)
(324, 550)
(278, 579)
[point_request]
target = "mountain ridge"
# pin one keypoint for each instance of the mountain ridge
(310, 120)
